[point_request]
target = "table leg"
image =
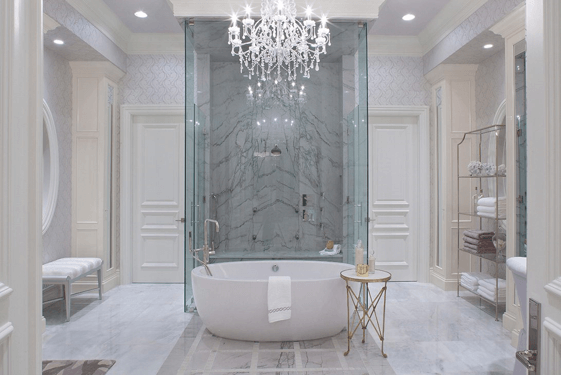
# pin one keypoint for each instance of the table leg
(364, 287)
(384, 320)
(348, 324)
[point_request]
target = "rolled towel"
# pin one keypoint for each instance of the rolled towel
(468, 282)
(479, 234)
(279, 298)
(335, 250)
(490, 201)
(328, 252)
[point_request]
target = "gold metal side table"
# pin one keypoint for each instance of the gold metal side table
(364, 305)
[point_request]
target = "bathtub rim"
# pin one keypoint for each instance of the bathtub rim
(200, 270)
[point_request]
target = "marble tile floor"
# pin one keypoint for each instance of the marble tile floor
(143, 327)
(199, 352)
(137, 325)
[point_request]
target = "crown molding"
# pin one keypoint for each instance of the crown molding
(382, 45)
(156, 44)
(96, 69)
(349, 9)
(448, 19)
(104, 19)
(49, 23)
(451, 71)
(513, 22)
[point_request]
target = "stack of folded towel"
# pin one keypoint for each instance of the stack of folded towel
(470, 280)
(487, 288)
(479, 241)
(486, 207)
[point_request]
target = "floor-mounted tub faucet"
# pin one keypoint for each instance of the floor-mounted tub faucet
(205, 248)
(206, 251)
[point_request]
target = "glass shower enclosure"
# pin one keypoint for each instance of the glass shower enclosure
(282, 166)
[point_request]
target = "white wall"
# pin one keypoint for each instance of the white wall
(57, 90)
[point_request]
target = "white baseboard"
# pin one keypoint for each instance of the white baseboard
(509, 321)
(443, 283)
(514, 338)
(90, 282)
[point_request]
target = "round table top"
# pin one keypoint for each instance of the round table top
(379, 276)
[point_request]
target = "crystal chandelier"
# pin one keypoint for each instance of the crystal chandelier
(278, 42)
(276, 91)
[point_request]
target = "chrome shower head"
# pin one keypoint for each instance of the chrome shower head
(276, 151)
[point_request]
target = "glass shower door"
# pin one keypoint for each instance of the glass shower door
(190, 158)
(357, 120)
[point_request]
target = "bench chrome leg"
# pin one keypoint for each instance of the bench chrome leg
(99, 281)
(67, 294)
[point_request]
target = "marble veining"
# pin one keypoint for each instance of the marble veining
(258, 195)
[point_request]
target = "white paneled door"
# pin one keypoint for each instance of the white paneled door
(394, 194)
(158, 198)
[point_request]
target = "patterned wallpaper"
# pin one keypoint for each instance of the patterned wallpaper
(397, 80)
(154, 79)
(67, 16)
(483, 18)
(489, 88)
(58, 95)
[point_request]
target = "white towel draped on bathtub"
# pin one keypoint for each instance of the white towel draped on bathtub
(279, 298)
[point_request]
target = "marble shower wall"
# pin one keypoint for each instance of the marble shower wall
(257, 197)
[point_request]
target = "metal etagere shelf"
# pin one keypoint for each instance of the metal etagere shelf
(496, 257)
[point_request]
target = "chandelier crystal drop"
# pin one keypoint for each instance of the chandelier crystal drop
(271, 92)
(278, 43)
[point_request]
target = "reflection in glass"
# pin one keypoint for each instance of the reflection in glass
(520, 123)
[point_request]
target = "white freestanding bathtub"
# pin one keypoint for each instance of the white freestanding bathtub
(233, 302)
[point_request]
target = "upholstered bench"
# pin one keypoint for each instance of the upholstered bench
(65, 271)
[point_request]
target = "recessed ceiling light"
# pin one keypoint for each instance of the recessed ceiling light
(140, 14)
(58, 41)
(487, 46)
(408, 17)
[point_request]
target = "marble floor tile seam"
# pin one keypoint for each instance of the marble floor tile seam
(276, 370)
(267, 350)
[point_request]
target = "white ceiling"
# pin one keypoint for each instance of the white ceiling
(160, 15)
(73, 49)
(473, 51)
(389, 21)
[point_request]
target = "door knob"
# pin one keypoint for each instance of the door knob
(182, 220)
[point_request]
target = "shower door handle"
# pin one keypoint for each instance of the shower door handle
(359, 221)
